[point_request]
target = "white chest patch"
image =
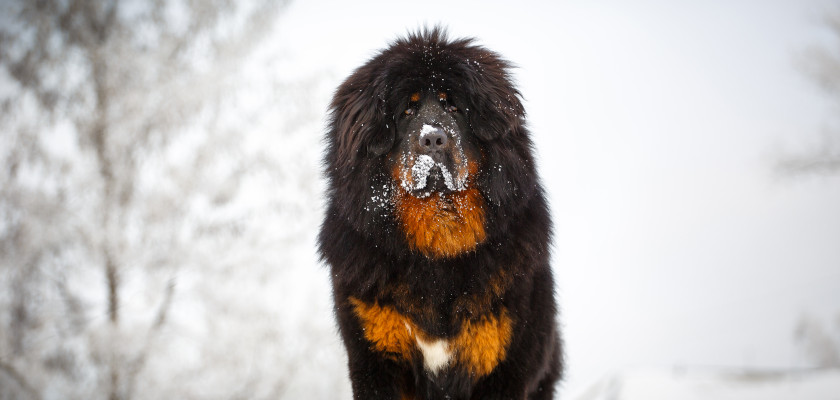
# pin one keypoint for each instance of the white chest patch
(436, 354)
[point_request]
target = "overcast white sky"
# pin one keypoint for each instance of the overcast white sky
(657, 125)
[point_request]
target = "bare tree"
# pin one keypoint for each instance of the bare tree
(818, 341)
(823, 65)
(96, 88)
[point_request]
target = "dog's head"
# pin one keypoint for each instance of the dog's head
(424, 131)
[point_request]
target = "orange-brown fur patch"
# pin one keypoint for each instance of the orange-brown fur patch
(415, 97)
(482, 345)
(442, 225)
(479, 346)
(385, 328)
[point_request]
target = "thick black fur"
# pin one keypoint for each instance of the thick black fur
(361, 241)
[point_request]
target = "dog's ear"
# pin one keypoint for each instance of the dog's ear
(360, 122)
(494, 107)
(381, 141)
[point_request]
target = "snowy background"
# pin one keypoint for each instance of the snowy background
(160, 191)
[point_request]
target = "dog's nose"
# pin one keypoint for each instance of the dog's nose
(432, 139)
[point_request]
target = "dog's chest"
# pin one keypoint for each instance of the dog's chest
(479, 345)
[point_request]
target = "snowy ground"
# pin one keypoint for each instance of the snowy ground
(717, 385)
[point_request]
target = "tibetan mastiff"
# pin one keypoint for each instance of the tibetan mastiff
(437, 230)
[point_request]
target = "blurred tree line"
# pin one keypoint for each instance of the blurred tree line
(819, 339)
(124, 181)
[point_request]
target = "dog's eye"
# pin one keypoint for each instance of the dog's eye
(445, 103)
(409, 111)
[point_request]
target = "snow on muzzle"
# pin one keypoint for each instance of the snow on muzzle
(416, 178)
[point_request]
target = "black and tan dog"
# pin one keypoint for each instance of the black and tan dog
(437, 230)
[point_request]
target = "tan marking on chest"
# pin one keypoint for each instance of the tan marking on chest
(479, 347)
(482, 345)
(385, 328)
(441, 225)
